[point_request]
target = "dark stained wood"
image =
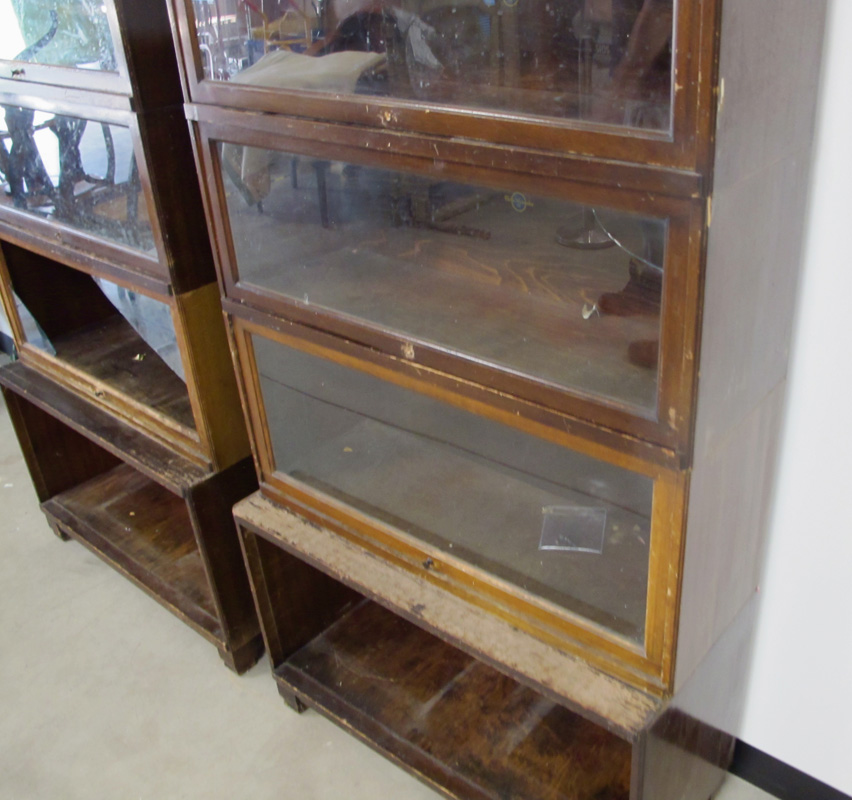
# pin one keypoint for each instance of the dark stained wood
(453, 721)
(127, 458)
(97, 257)
(595, 440)
(114, 354)
(209, 504)
(145, 532)
(148, 53)
(159, 462)
(591, 353)
(754, 244)
(160, 520)
(295, 601)
(596, 175)
(503, 640)
(173, 186)
(61, 300)
(58, 457)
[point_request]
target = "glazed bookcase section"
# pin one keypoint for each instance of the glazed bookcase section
(551, 291)
(75, 181)
(108, 342)
(577, 543)
(617, 80)
(76, 172)
(138, 505)
(67, 44)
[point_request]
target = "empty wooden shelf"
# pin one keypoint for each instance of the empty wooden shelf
(155, 517)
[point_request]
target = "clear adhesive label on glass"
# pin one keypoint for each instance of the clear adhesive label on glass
(578, 529)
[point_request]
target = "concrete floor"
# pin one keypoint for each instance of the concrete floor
(105, 695)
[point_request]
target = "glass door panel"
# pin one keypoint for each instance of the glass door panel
(71, 33)
(79, 172)
(564, 294)
(562, 526)
(603, 61)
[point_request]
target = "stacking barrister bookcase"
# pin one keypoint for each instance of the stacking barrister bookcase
(123, 398)
(510, 285)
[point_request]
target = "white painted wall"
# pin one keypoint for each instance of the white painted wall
(799, 706)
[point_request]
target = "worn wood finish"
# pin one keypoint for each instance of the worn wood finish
(61, 300)
(732, 179)
(577, 366)
(176, 198)
(57, 456)
(126, 457)
(598, 442)
(102, 259)
(754, 242)
(209, 504)
(455, 722)
(161, 521)
(161, 463)
(144, 532)
(497, 639)
(594, 175)
(295, 601)
(468, 730)
(211, 382)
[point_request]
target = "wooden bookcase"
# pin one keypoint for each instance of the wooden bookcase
(123, 397)
(510, 288)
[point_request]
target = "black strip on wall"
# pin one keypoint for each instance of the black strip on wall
(777, 778)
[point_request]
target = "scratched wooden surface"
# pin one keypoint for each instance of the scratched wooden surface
(471, 729)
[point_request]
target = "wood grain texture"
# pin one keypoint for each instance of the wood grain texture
(754, 241)
(57, 456)
(211, 382)
(560, 675)
(452, 720)
(145, 532)
(209, 504)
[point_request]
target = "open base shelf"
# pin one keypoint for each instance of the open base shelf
(159, 519)
(144, 532)
(382, 654)
(458, 724)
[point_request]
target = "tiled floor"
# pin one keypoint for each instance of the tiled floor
(106, 695)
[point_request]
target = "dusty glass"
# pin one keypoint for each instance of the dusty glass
(565, 294)
(80, 172)
(565, 527)
(604, 61)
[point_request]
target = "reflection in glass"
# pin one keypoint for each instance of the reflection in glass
(511, 504)
(79, 172)
(150, 318)
(606, 61)
(71, 33)
(493, 275)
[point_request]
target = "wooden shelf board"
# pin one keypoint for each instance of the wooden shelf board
(166, 467)
(145, 532)
(458, 724)
(113, 353)
(561, 676)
